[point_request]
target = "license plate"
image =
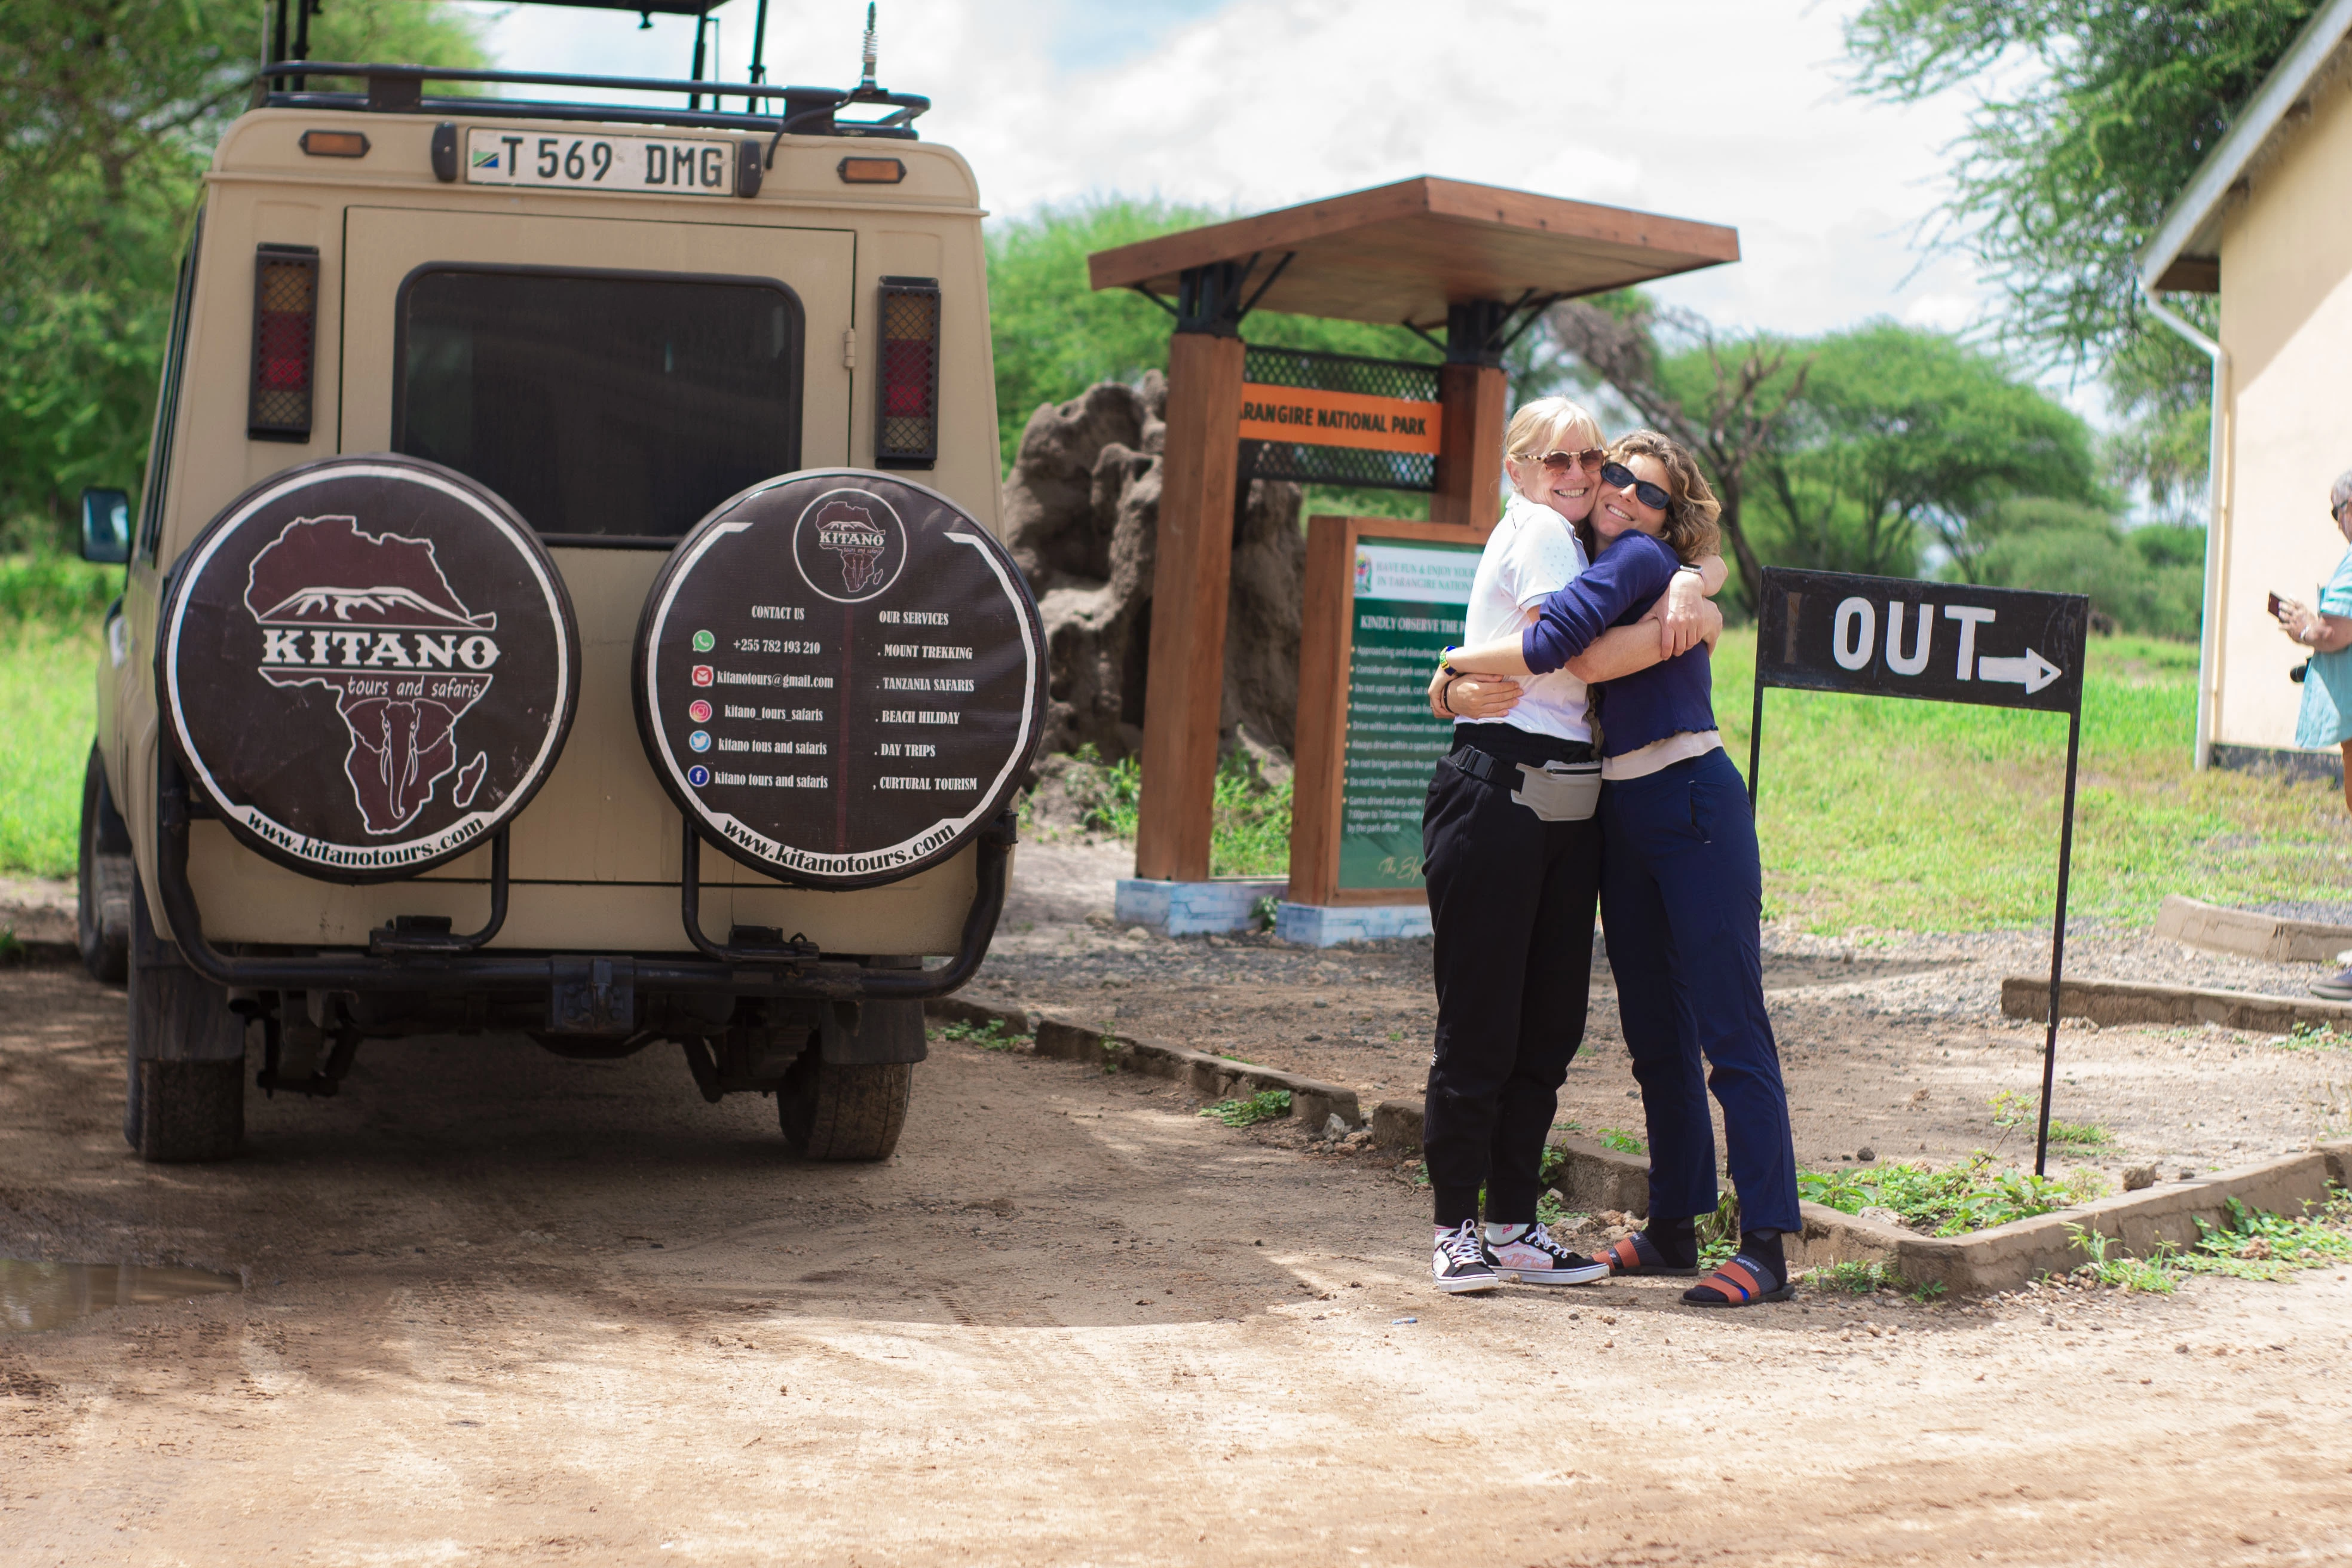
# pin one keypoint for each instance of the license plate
(668, 165)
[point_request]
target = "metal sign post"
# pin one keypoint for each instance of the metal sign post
(1943, 642)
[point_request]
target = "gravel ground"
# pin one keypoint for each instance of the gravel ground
(1891, 1042)
(502, 1308)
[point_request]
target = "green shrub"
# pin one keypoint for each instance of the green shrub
(2149, 580)
(45, 585)
(1267, 1105)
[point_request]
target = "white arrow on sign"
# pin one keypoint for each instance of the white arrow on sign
(2034, 672)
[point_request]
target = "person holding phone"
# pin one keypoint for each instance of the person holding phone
(1511, 851)
(1681, 885)
(2326, 719)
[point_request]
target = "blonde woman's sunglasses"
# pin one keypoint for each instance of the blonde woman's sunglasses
(1560, 462)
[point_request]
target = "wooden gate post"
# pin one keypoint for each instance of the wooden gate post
(1185, 686)
(1474, 396)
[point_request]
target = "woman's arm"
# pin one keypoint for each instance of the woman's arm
(1622, 650)
(1571, 619)
(1682, 623)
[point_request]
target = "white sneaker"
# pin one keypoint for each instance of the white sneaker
(1460, 1263)
(1534, 1258)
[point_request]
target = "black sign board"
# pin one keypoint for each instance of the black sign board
(1945, 642)
(840, 677)
(368, 665)
(1897, 637)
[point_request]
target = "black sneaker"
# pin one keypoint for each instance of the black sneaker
(1534, 1258)
(1461, 1264)
(2337, 987)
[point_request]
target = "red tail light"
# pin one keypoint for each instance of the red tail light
(284, 342)
(907, 425)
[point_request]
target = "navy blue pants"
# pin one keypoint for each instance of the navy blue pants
(1682, 897)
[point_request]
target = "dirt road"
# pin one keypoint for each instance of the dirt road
(504, 1308)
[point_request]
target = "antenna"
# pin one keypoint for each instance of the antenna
(871, 46)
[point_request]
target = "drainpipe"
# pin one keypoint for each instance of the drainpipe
(2208, 638)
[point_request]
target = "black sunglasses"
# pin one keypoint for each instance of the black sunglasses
(1652, 496)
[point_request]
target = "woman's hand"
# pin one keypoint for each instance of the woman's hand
(1681, 613)
(1475, 697)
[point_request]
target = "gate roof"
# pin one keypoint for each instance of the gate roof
(1404, 252)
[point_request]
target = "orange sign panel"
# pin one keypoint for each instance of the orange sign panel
(1313, 418)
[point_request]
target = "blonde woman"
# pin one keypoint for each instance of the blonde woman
(1682, 892)
(1513, 862)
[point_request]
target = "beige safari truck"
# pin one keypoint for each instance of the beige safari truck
(564, 600)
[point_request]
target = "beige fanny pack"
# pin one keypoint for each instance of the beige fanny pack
(1559, 791)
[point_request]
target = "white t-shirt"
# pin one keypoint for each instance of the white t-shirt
(1532, 552)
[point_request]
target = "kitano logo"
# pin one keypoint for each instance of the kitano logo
(372, 618)
(849, 546)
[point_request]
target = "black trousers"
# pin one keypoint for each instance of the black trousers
(1511, 900)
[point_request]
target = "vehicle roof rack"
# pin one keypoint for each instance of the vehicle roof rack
(400, 90)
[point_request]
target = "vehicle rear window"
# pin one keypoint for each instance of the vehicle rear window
(604, 406)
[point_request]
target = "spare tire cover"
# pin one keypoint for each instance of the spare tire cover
(369, 665)
(840, 677)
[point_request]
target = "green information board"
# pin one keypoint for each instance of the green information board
(1410, 602)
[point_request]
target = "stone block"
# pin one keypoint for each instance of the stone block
(1328, 925)
(2106, 1002)
(1396, 1124)
(1188, 908)
(2249, 933)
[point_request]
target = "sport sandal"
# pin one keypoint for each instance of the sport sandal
(1636, 1254)
(1741, 1282)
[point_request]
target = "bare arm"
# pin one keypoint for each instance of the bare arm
(2319, 633)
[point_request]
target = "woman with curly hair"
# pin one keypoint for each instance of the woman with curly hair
(1681, 885)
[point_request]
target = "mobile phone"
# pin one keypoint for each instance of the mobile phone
(2275, 606)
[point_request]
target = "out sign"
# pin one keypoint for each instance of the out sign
(1898, 637)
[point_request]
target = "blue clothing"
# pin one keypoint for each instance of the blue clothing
(1681, 896)
(2328, 685)
(1669, 698)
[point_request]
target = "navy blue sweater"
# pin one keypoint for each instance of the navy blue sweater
(1618, 589)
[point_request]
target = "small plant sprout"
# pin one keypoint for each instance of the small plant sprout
(1622, 1142)
(992, 1036)
(1267, 1105)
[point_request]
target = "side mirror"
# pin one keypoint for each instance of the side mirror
(105, 527)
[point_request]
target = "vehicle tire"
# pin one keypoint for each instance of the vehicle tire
(177, 1108)
(102, 881)
(839, 1111)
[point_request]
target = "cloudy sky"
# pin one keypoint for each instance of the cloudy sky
(1729, 110)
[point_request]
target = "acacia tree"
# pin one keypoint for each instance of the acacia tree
(2091, 117)
(111, 108)
(1723, 397)
(1903, 438)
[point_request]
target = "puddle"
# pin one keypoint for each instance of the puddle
(37, 1295)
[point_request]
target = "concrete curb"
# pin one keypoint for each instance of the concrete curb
(1211, 1076)
(2129, 1002)
(31, 950)
(1595, 1177)
(2008, 1256)
(2248, 934)
(2001, 1258)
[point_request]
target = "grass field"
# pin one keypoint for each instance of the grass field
(1892, 815)
(47, 694)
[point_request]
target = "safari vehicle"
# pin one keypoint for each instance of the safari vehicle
(544, 494)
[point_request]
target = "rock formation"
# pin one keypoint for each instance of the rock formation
(1082, 516)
